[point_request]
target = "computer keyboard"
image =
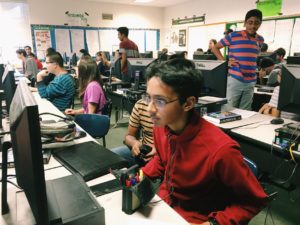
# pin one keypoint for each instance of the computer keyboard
(106, 187)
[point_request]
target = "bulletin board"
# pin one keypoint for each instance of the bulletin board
(70, 39)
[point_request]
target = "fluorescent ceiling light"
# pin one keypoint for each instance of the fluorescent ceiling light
(143, 1)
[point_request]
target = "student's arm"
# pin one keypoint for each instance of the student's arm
(74, 111)
(54, 89)
(92, 107)
(216, 50)
(249, 198)
(132, 141)
(123, 60)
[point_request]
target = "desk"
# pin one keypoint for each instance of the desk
(20, 213)
(256, 143)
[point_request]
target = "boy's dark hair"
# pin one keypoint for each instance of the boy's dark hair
(50, 51)
(27, 46)
(264, 47)
(266, 62)
(21, 52)
(185, 80)
(280, 52)
(123, 30)
(254, 13)
(56, 58)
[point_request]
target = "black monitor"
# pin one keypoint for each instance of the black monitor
(293, 60)
(296, 53)
(289, 94)
(214, 77)
(27, 150)
(147, 55)
(65, 58)
(264, 55)
(138, 65)
(9, 87)
(74, 60)
(205, 57)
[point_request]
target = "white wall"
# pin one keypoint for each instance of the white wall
(53, 12)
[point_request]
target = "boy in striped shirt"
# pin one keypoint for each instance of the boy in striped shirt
(243, 49)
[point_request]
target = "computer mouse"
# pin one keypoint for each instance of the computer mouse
(277, 121)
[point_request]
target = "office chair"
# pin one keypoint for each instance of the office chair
(253, 167)
(107, 108)
(94, 124)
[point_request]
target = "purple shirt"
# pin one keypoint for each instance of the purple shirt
(94, 94)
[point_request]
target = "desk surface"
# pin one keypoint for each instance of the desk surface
(20, 213)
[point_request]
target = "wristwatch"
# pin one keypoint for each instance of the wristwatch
(213, 221)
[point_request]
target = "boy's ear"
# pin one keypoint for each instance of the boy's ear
(189, 103)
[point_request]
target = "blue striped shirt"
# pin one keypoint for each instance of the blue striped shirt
(244, 49)
(60, 91)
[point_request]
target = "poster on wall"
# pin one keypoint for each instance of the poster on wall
(269, 7)
(42, 42)
(182, 38)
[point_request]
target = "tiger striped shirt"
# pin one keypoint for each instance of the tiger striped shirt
(140, 118)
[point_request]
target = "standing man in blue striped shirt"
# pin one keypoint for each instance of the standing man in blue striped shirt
(61, 90)
(243, 49)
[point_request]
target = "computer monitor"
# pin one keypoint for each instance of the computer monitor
(264, 55)
(65, 58)
(147, 55)
(204, 57)
(9, 87)
(293, 60)
(27, 151)
(214, 77)
(289, 94)
(296, 53)
(140, 65)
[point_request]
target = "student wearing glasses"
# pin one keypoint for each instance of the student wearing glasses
(243, 49)
(60, 91)
(205, 178)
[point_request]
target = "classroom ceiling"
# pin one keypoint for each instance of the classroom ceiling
(155, 3)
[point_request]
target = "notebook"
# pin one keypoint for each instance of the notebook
(89, 159)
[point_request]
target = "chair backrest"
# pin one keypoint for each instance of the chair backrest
(106, 110)
(252, 165)
(94, 124)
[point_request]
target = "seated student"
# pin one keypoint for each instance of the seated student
(90, 89)
(139, 121)
(264, 48)
(280, 53)
(205, 177)
(30, 69)
(211, 44)
(38, 63)
(270, 108)
(28, 50)
(50, 76)
(103, 63)
(60, 91)
(268, 67)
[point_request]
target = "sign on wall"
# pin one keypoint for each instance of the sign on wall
(42, 41)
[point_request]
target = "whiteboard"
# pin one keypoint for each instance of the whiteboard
(77, 40)
(283, 35)
(138, 37)
(151, 40)
(295, 45)
(267, 30)
(92, 40)
(108, 40)
(62, 38)
(198, 37)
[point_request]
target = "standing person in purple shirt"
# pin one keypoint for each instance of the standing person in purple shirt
(243, 49)
(90, 89)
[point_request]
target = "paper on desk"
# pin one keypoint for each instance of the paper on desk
(139, 221)
(244, 113)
